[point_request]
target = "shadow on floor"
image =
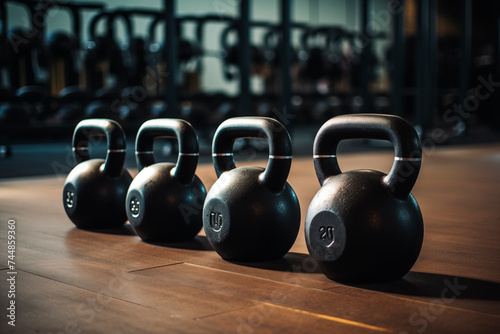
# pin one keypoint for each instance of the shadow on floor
(292, 262)
(438, 286)
(125, 229)
(200, 243)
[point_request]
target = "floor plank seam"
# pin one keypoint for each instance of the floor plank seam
(223, 312)
(256, 277)
(307, 313)
(231, 295)
(84, 289)
(155, 267)
(324, 290)
(333, 287)
(331, 318)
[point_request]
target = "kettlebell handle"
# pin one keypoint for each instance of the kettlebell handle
(179, 129)
(115, 156)
(280, 147)
(407, 147)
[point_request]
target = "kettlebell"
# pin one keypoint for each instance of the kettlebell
(165, 200)
(251, 213)
(95, 190)
(365, 226)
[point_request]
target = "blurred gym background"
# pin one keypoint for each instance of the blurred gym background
(434, 62)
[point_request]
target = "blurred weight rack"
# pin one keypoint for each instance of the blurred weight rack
(434, 62)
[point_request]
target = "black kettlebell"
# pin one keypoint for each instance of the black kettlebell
(365, 226)
(95, 190)
(251, 213)
(165, 200)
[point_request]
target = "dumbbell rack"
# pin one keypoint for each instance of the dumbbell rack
(416, 103)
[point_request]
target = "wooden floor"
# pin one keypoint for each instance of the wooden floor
(75, 281)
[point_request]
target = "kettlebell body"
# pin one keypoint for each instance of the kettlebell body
(251, 213)
(364, 226)
(247, 222)
(165, 201)
(94, 191)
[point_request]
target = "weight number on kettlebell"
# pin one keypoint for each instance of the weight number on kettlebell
(216, 221)
(135, 207)
(327, 236)
(70, 199)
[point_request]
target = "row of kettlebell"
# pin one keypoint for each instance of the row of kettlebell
(362, 226)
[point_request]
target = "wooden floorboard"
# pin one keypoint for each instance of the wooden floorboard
(269, 318)
(111, 281)
(48, 306)
(361, 308)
